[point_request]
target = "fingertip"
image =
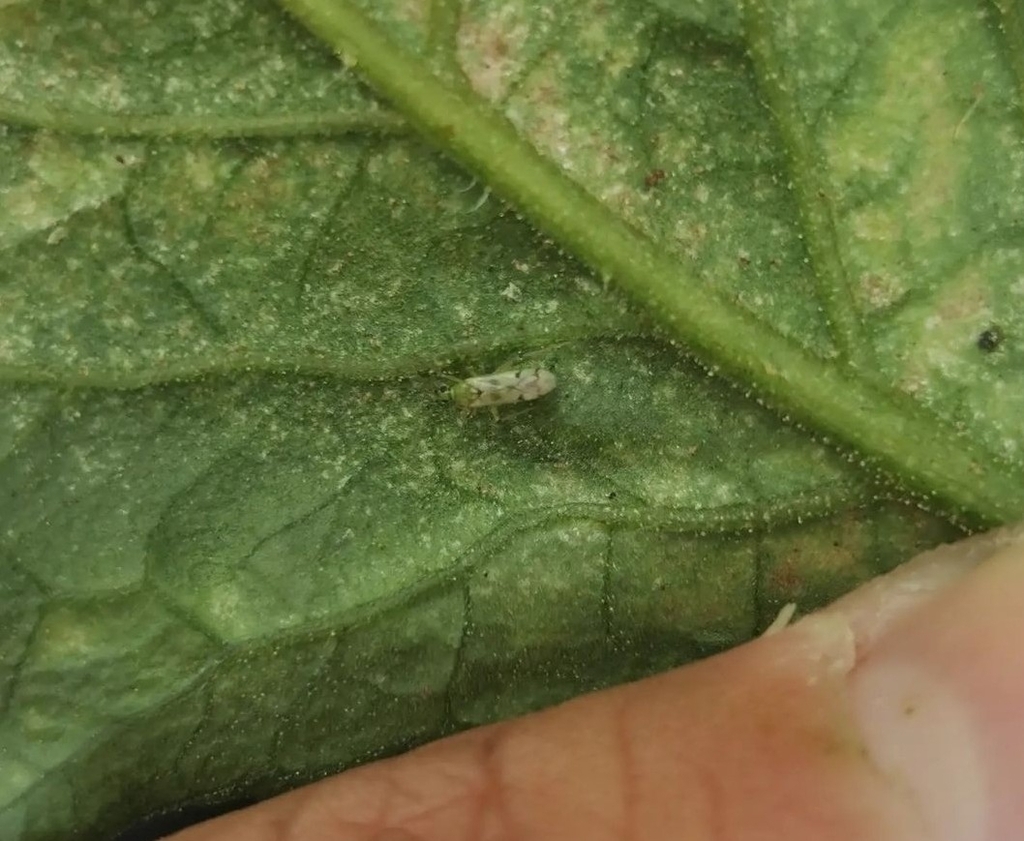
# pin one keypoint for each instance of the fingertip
(939, 688)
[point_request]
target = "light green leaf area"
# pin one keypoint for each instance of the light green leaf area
(244, 538)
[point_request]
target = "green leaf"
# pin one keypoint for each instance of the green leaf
(244, 541)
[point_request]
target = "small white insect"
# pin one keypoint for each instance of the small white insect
(502, 388)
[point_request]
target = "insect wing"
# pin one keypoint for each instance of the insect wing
(503, 387)
(534, 383)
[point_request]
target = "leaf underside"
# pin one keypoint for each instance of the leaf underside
(245, 540)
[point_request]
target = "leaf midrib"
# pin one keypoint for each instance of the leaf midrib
(887, 430)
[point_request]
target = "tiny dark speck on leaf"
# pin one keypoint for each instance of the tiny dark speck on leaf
(990, 339)
(654, 178)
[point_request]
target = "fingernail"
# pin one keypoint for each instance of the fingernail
(938, 690)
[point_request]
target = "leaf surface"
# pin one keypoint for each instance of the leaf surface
(245, 541)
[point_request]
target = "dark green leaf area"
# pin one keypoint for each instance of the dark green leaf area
(233, 568)
(221, 59)
(322, 257)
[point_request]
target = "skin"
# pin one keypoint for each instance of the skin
(896, 714)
